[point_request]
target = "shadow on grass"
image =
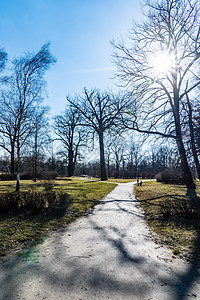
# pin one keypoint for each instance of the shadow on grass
(5, 187)
(171, 196)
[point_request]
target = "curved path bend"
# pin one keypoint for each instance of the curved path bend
(108, 254)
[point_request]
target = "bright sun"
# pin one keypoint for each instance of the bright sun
(162, 63)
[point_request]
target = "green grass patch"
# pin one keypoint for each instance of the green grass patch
(171, 218)
(25, 185)
(24, 229)
(121, 180)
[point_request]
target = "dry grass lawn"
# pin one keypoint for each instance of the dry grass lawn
(23, 229)
(170, 217)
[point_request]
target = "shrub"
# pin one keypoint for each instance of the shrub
(8, 201)
(33, 200)
(25, 176)
(48, 185)
(48, 175)
(179, 208)
(58, 199)
(171, 176)
(8, 176)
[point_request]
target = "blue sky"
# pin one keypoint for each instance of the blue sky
(80, 32)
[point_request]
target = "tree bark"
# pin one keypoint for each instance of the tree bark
(18, 156)
(185, 167)
(102, 157)
(70, 167)
(12, 159)
(184, 163)
(108, 166)
(35, 159)
(179, 140)
(192, 139)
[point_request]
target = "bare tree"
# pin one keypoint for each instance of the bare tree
(3, 58)
(191, 129)
(99, 113)
(108, 153)
(135, 157)
(169, 34)
(71, 134)
(39, 138)
(24, 92)
(118, 147)
(196, 124)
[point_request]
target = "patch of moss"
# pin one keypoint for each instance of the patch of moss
(176, 251)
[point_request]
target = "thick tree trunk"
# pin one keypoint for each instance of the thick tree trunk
(35, 169)
(108, 166)
(192, 139)
(117, 166)
(194, 151)
(102, 157)
(35, 159)
(71, 165)
(12, 159)
(18, 156)
(184, 162)
(185, 167)
(70, 170)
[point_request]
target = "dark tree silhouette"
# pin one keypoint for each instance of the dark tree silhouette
(100, 113)
(191, 122)
(39, 137)
(71, 134)
(24, 91)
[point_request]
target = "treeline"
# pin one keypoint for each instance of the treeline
(23, 120)
(127, 160)
(95, 119)
(159, 101)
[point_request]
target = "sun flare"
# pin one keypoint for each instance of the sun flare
(162, 63)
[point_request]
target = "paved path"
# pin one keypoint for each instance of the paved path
(109, 254)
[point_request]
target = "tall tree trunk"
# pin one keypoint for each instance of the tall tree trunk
(192, 139)
(184, 163)
(102, 157)
(70, 167)
(117, 165)
(12, 159)
(35, 159)
(179, 141)
(108, 165)
(123, 165)
(18, 156)
(185, 167)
